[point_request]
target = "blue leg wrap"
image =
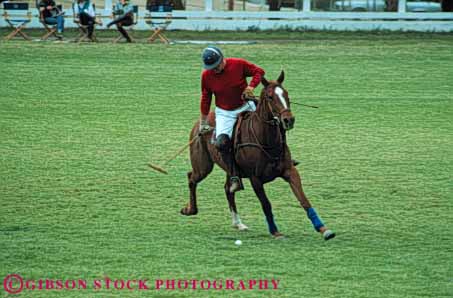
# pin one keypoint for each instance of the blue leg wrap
(271, 225)
(315, 220)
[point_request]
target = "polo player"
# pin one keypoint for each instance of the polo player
(226, 78)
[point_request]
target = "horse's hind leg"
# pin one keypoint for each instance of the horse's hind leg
(266, 205)
(201, 167)
(293, 178)
(237, 223)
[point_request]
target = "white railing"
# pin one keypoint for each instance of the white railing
(306, 19)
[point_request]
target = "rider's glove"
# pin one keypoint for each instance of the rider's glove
(204, 126)
(248, 93)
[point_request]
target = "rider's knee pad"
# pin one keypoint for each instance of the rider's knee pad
(223, 143)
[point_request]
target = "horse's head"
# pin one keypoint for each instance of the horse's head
(277, 99)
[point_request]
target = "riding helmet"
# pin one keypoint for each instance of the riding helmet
(212, 56)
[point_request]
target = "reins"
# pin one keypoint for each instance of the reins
(275, 122)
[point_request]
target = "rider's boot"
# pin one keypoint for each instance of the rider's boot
(223, 144)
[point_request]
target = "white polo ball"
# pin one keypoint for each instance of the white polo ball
(238, 242)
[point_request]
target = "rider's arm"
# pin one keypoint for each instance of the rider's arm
(254, 71)
(206, 97)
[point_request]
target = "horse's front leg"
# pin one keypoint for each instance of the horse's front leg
(236, 220)
(266, 205)
(293, 178)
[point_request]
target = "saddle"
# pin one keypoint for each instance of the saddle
(236, 129)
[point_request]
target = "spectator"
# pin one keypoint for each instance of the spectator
(50, 14)
(124, 13)
(84, 11)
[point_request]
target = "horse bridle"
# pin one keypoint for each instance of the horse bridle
(274, 122)
(269, 99)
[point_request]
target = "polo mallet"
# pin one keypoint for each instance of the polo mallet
(302, 104)
(161, 169)
(292, 102)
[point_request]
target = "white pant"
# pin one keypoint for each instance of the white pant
(225, 120)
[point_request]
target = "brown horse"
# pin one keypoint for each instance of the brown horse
(261, 154)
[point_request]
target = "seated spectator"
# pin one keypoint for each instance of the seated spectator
(84, 11)
(124, 16)
(51, 15)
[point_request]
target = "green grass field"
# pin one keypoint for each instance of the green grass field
(79, 123)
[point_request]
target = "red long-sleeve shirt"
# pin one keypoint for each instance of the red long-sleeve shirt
(228, 85)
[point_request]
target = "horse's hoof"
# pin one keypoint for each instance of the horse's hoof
(188, 211)
(278, 236)
(241, 227)
(328, 234)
